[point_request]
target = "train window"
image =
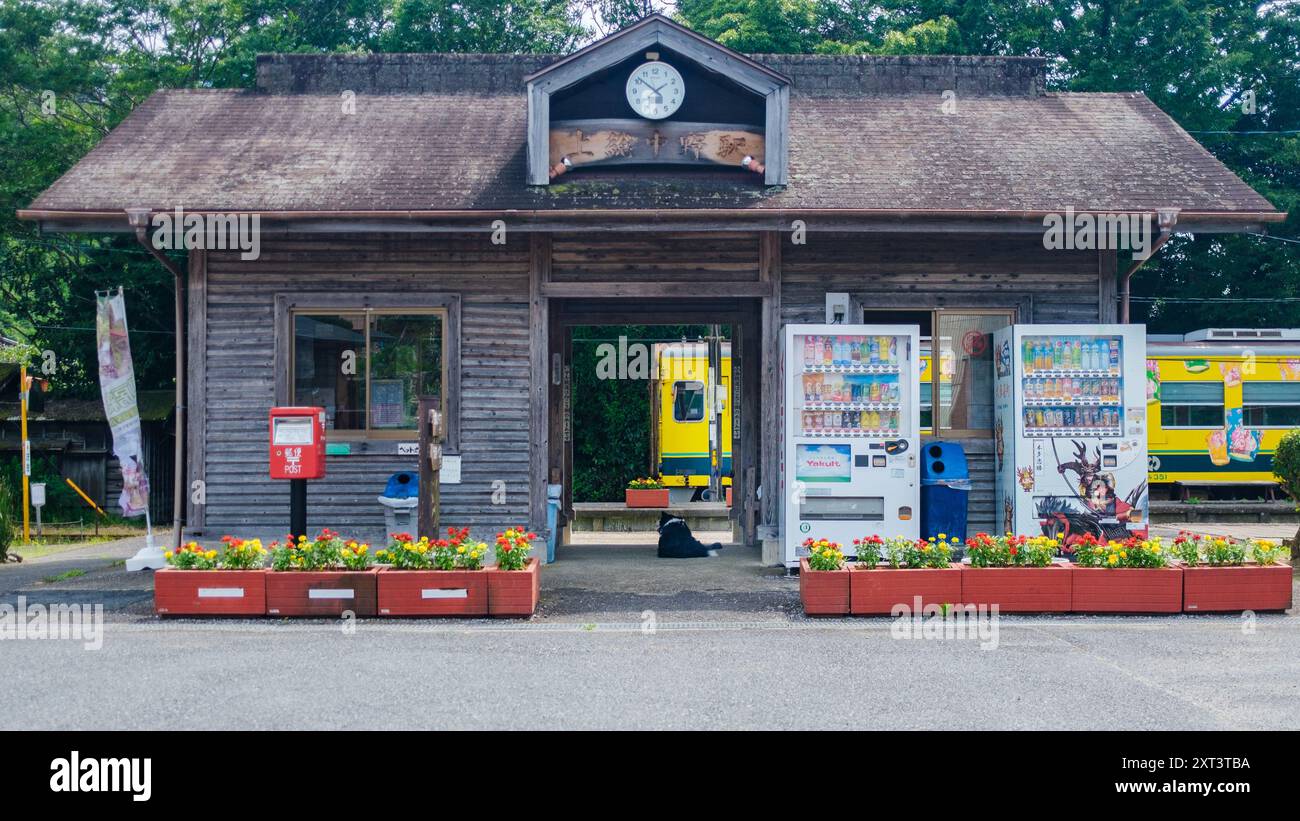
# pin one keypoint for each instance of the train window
(1191, 405)
(1271, 404)
(688, 401)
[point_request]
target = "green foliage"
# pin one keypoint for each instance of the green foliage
(1286, 464)
(9, 527)
(62, 504)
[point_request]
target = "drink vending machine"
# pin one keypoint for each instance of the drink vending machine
(1070, 437)
(851, 450)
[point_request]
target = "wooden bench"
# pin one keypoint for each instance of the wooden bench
(1270, 488)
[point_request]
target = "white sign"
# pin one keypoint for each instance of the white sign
(408, 448)
(293, 430)
(450, 472)
(38, 494)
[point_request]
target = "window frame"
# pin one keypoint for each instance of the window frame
(863, 305)
(1165, 403)
(1247, 405)
(380, 440)
(685, 384)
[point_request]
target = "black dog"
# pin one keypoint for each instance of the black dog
(676, 541)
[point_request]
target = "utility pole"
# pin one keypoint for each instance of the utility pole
(24, 389)
(715, 415)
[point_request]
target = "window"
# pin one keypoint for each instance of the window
(1271, 404)
(368, 368)
(1191, 405)
(961, 376)
(965, 369)
(688, 401)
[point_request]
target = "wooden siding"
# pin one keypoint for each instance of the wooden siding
(665, 258)
(492, 281)
(944, 270)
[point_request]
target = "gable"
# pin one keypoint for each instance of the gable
(734, 114)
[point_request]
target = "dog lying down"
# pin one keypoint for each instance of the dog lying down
(676, 541)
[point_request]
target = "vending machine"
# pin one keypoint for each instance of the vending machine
(1070, 439)
(851, 450)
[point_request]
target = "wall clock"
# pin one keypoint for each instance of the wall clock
(655, 90)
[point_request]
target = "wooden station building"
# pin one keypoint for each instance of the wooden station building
(446, 220)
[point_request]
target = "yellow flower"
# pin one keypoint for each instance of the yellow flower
(167, 554)
(943, 535)
(211, 554)
(460, 549)
(1112, 559)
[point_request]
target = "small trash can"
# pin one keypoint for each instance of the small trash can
(945, 491)
(401, 498)
(553, 493)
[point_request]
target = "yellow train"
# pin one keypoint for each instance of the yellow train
(680, 419)
(1218, 401)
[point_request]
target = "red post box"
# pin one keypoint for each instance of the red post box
(297, 443)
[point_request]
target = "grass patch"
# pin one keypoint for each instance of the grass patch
(65, 575)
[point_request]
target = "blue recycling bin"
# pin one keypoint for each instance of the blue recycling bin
(945, 490)
(403, 486)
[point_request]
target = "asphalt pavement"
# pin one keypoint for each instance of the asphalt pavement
(624, 640)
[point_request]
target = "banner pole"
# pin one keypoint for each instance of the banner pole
(26, 454)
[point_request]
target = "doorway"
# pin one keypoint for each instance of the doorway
(642, 357)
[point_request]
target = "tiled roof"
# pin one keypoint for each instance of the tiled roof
(865, 134)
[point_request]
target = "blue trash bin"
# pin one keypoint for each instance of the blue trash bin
(945, 490)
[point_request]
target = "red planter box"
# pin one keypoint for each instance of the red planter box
(1126, 590)
(1018, 589)
(823, 592)
(877, 592)
(209, 592)
(514, 592)
(1248, 587)
(433, 592)
(320, 592)
(646, 498)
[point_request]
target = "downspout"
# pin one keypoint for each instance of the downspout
(139, 220)
(1168, 218)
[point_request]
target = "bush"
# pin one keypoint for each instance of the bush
(8, 527)
(1286, 467)
(1286, 464)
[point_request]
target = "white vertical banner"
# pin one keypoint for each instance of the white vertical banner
(117, 386)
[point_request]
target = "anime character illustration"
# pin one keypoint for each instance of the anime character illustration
(1095, 508)
(1025, 476)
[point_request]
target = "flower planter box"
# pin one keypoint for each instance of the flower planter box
(209, 592)
(320, 592)
(1126, 590)
(433, 592)
(514, 592)
(879, 591)
(1018, 589)
(646, 498)
(823, 592)
(1229, 589)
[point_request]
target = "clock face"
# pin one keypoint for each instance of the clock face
(655, 90)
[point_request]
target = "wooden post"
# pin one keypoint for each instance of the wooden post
(431, 433)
